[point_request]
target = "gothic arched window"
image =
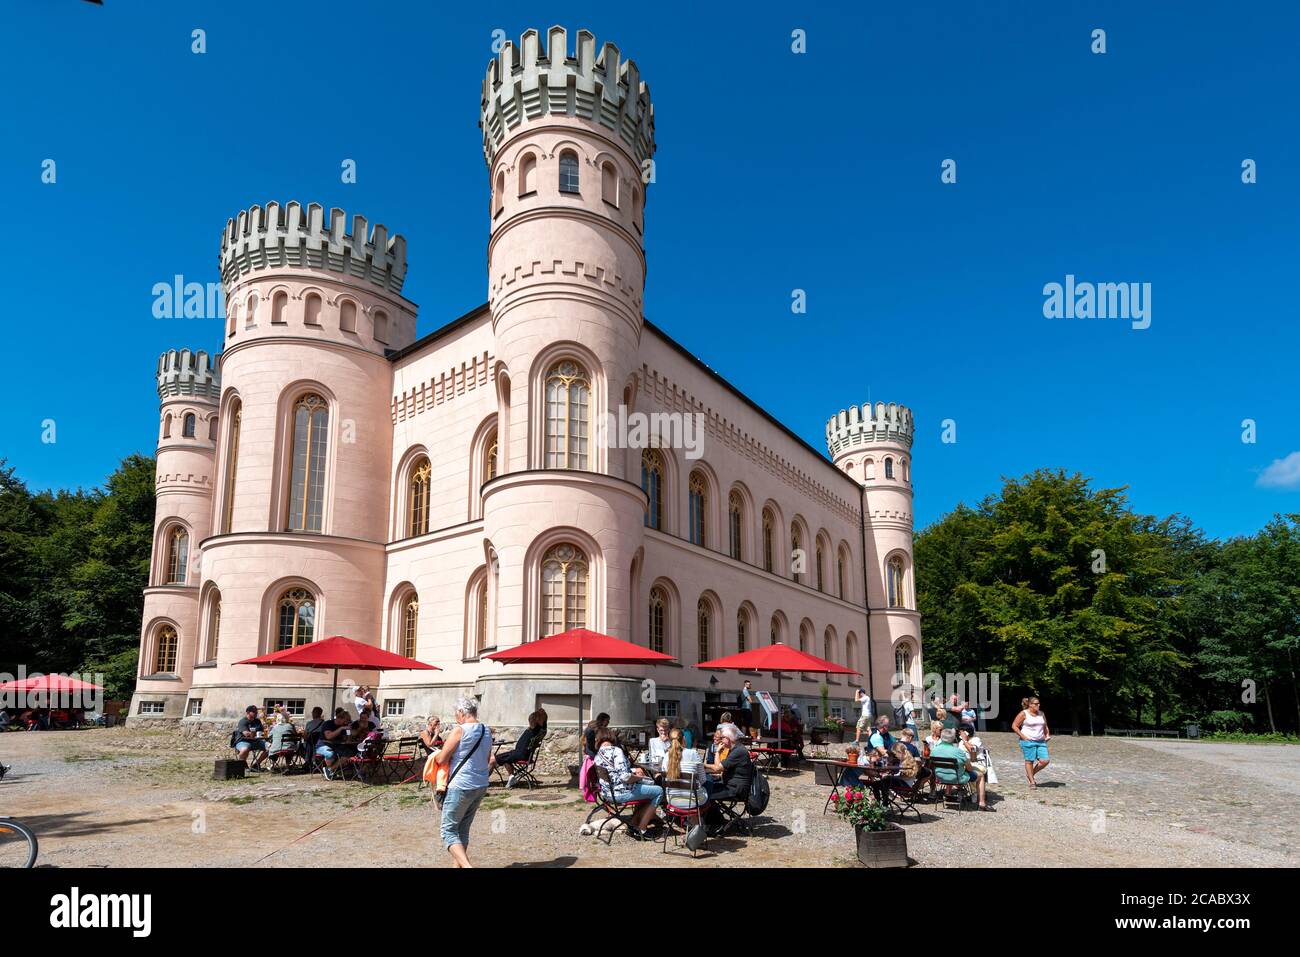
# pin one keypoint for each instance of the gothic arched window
(796, 552)
(698, 503)
(307, 483)
(232, 461)
(490, 458)
(769, 536)
(568, 400)
(178, 555)
(742, 630)
(417, 491)
(658, 615)
(564, 589)
(214, 626)
(735, 523)
(166, 645)
(821, 559)
(702, 615)
(894, 582)
(903, 663)
(652, 483)
(297, 619)
(410, 621)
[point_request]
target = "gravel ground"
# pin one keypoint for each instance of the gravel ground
(117, 798)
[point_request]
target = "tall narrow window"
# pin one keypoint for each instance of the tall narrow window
(889, 468)
(894, 582)
(307, 487)
(821, 559)
(178, 555)
(212, 429)
(417, 490)
(769, 536)
(232, 464)
(698, 503)
(311, 310)
(568, 398)
(187, 427)
(167, 426)
(490, 458)
(528, 174)
(702, 630)
(250, 313)
(774, 634)
(903, 663)
(742, 630)
(568, 172)
(609, 183)
(805, 637)
(348, 316)
(164, 661)
(735, 522)
(828, 646)
(297, 624)
(279, 306)
(564, 590)
(410, 621)
(214, 627)
(482, 637)
(652, 483)
(658, 612)
(381, 327)
(796, 552)
(499, 194)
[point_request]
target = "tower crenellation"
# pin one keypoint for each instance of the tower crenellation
(869, 425)
(528, 81)
(278, 236)
(191, 374)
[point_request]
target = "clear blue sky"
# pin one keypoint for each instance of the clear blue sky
(776, 171)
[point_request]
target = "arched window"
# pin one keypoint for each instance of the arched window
(805, 636)
(528, 175)
(187, 427)
(564, 589)
(894, 582)
(348, 316)
(841, 575)
(658, 614)
(698, 503)
(167, 426)
(410, 621)
(490, 457)
(212, 429)
(307, 485)
(250, 314)
(609, 183)
(297, 619)
(279, 304)
(232, 463)
(797, 558)
(234, 319)
(903, 664)
(889, 467)
(166, 645)
(868, 469)
(702, 615)
(499, 194)
(214, 626)
(652, 483)
(775, 632)
(828, 645)
(178, 555)
(381, 327)
(568, 400)
(568, 172)
(311, 310)
(417, 491)
(821, 560)
(742, 630)
(735, 523)
(851, 651)
(769, 536)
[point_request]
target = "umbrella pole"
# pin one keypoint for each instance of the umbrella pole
(779, 676)
(578, 773)
(334, 694)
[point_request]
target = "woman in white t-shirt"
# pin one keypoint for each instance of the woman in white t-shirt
(1031, 725)
(659, 743)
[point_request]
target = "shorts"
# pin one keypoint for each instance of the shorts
(864, 723)
(1034, 750)
(257, 745)
(326, 752)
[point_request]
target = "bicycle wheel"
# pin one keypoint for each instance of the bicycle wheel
(17, 844)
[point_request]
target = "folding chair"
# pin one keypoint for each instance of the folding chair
(733, 819)
(962, 789)
(284, 759)
(522, 771)
(615, 810)
(365, 767)
(399, 765)
(678, 818)
(902, 796)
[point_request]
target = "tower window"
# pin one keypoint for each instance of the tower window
(187, 429)
(894, 583)
(232, 461)
(307, 486)
(278, 306)
(499, 194)
(348, 316)
(164, 662)
(568, 396)
(528, 175)
(381, 327)
(178, 555)
(568, 172)
(311, 310)
(410, 618)
(609, 183)
(297, 619)
(564, 589)
(889, 468)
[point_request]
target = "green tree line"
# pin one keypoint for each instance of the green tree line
(72, 569)
(1113, 617)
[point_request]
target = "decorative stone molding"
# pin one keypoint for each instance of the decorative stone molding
(283, 238)
(185, 373)
(605, 277)
(867, 426)
(189, 478)
(444, 387)
(526, 82)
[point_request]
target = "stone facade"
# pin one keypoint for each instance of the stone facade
(473, 489)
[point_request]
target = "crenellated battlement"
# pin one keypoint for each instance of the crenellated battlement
(526, 81)
(284, 237)
(185, 373)
(869, 425)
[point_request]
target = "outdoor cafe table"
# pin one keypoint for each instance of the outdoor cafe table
(868, 772)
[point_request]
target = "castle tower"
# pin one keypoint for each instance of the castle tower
(300, 513)
(873, 445)
(189, 389)
(566, 135)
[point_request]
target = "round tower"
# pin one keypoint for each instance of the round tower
(300, 515)
(567, 135)
(873, 445)
(189, 389)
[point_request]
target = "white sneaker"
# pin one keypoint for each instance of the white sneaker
(510, 782)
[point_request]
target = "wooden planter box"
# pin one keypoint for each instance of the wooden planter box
(837, 734)
(817, 736)
(886, 848)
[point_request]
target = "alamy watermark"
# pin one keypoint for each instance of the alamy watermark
(1102, 300)
(652, 430)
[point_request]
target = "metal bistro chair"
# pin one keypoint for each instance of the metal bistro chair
(678, 818)
(287, 757)
(962, 789)
(606, 800)
(522, 771)
(398, 765)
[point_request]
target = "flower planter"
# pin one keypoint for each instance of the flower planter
(837, 735)
(887, 848)
(817, 736)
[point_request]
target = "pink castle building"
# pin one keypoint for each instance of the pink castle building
(550, 459)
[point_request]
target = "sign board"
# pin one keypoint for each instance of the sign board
(769, 705)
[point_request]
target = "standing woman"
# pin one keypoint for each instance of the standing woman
(1031, 725)
(466, 750)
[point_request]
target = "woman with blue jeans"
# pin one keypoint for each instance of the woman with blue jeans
(630, 784)
(466, 750)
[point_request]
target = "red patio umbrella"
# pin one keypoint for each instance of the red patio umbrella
(51, 685)
(778, 657)
(581, 647)
(339, 652)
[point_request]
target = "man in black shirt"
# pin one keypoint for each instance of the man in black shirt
(248, 738)
(737, 775)
(333, 740)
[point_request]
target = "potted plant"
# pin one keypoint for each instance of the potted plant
(881, 843)
(835, 726)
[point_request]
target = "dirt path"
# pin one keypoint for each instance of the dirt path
(112, 799)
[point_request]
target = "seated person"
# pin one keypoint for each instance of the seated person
(430, 738)
(907, 738)
(629, 783)
(370, 715)
(727, 722)
(966, 773)
(333, 744)
(589, 744)
(532, 737)
(683, 764)
(737, 771)
(968, 716)
(851, 777)
(909, 772)
(658, 749)
(881, 741)
(248, 738)
(280, 749)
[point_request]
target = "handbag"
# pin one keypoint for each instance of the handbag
(441, 795)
